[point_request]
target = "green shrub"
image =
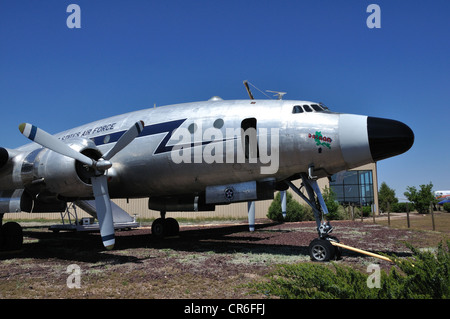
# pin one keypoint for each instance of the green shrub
(447, 207)
(329, 198)
(295, 212)
(343, 213)
(425, 275)
(401, 207)
(367, 211)
(315, 281)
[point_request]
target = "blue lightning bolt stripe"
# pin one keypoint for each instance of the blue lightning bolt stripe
(160, 128)
(138, 128)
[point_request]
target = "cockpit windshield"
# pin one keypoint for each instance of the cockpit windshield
(316, 108)
(309, 108)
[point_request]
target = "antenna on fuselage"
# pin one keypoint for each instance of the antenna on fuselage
(278, 94)
(248, 90)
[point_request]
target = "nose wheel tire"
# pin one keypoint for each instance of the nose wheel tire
(321, 250)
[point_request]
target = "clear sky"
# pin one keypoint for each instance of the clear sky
(130, 55)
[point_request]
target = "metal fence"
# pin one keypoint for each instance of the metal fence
(139, 208)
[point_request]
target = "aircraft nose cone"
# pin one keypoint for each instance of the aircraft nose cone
(388, 138)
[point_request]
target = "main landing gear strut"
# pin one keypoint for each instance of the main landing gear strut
(165, 227)
(320, 249)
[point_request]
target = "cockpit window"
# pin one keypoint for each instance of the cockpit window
(310, 108)
(316, 108)
(297, 109)
(307, 108)
(324, 107)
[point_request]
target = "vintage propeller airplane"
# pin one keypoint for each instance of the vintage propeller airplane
(191, 157)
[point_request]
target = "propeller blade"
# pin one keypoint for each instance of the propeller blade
(126, 139)
(43, 138)
(104, 210)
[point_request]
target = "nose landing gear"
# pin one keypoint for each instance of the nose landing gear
(320, 249)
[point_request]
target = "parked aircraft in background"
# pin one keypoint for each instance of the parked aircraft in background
(442, 196)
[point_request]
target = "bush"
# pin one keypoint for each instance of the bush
(425, 275)
(401, 207)
(347, 212)
(316, 281)
(295, 212)
(367, 211)
(342, 213)
(447, 207)
(329, 198)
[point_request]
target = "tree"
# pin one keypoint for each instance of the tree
(386, 195)
(421, 198)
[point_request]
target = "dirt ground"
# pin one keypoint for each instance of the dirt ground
(209, 261)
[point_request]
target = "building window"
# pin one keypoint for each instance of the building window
(353, 187)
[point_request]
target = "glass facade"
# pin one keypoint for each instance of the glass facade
(353, 187)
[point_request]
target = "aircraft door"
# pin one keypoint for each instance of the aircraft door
(249, 139)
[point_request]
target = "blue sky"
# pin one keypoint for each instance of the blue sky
(130, 55)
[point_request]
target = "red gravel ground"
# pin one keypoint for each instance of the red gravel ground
(204, 261)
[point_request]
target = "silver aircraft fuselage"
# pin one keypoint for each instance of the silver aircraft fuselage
(185, 148)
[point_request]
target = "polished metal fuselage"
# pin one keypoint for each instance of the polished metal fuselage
(288, 143)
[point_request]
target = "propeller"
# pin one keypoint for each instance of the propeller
(99, 180)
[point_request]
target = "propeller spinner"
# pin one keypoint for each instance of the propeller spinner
(99, 181)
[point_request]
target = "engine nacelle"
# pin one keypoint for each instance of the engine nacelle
(32, 182)
(20, 201)
(7, 158)
(15, 201)
(4, 157)
(46, 172)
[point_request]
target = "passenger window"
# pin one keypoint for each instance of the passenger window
(307, 108)
(297, 109)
